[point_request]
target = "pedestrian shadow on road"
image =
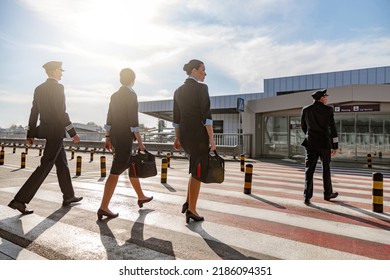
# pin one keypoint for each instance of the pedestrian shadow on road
(267, 201)
(224, 251)
(12, 229)
(130, 249)
(355, 218)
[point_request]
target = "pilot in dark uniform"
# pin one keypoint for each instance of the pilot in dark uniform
(49, 106)
(321, 141)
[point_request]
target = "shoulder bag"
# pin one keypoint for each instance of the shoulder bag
(142, 165)
(210, 168)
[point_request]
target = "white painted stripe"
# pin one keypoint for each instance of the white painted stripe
(65, 238)
(16, 252)
(343, 229)
(93, 248)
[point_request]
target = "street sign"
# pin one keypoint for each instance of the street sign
(240, 104)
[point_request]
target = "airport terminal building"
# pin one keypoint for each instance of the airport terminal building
(270, 121)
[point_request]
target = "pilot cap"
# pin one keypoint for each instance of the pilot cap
(319, 93)
(53, 65)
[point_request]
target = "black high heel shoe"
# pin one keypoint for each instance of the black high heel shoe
(141, 202)
(190, 215)
(184, 207)
(101, 213)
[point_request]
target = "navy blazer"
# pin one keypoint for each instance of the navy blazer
(49, 106)
(123, 113)
(317, 121)
(191, 103)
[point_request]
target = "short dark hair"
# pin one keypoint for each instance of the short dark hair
(127, 76)
(193, 63)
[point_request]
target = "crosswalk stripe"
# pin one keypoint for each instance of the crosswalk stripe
(272, 221)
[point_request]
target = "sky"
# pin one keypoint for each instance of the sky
(241, 43)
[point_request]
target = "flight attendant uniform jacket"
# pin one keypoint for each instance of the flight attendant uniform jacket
(191, 112)
(122, 122)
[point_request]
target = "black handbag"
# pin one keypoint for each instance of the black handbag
(210, 168)
(142, 165)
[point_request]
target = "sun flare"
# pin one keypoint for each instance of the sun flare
(118, 21)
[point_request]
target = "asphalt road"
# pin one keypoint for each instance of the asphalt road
(270, 223)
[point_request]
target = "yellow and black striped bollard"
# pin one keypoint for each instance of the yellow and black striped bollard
(377, 192)
(72, 154)
(169, 159)
(23, 161)
(242, 163)
(2, 157)
(164, 170)
(369, 161)
(78, 166)
(103, 166)
(91, 157)
(14, 149)
(248, 179)
(40, 151)
(26, 152)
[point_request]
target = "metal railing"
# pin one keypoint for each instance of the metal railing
(227, 144)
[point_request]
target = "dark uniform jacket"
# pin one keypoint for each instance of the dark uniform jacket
(123, 113)
(191, 110)
(318, 124)
(49, 106)
(191, 103)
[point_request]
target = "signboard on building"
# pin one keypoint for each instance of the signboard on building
(356, 108)
(240, 104)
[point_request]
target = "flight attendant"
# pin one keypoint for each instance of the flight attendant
(193, 128)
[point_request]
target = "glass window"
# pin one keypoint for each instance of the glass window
(275, 135)
(345, 125)
(377, 124)
(296, 137)
(387, 124)
(386, 138)
(363, 124)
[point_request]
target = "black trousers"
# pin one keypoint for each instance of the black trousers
(312, 156)
(53, 154)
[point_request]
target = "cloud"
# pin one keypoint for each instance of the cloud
(241, 45)
(10, 97)
(244, 42)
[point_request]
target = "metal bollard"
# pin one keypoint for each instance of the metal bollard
(377, 192)
(78, 166)
(103, 166)
(168, 159)
(242, 163)
(14, 149)
(23, 161)
(2, 157)
(369, 161)
(164, 170)
(248, 179)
